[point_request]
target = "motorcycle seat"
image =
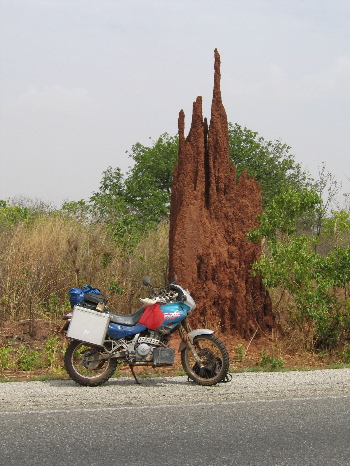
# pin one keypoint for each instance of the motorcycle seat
(127, 319)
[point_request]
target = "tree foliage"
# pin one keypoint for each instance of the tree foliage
(284, 212)
(10, 215)
(109, 206)
(148, 183)
(270, 162)
(318, 284)
(129, 205)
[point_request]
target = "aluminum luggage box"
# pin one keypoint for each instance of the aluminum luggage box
(87, 325)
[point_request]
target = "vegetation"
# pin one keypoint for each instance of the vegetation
(21, 357)
(120, 234)
(42, 260)
(313, 287)
(270, 162)
(129, 206)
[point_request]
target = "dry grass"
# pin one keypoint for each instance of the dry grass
(40, 262)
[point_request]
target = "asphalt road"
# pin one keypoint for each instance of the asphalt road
(257, 419)
(306, 431)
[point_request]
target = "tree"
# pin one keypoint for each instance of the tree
(148, 183)
(269, 162)
(11, 215)
(135, 203)
(327, 188)
(110, 206)
(107, 205)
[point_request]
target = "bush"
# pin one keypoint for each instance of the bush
(269, 362)
(316, 284)
(28, 360)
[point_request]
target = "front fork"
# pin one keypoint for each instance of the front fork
(187, 336)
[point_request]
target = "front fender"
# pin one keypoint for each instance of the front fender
(193, 334)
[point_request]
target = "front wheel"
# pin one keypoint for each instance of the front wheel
(214, 360)
(85, 364)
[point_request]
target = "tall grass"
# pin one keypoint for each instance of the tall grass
(42, 259)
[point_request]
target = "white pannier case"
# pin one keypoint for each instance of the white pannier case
(87, 325)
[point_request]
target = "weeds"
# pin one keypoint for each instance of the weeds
(269, 362)
(240, 352)
(5, 358)
(53, 348)
(346, 354)
(28, 360)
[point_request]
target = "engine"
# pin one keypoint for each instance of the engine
(145, 345)
(144, 352)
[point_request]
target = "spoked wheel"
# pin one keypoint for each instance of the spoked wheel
(214, 360)
(85, 366)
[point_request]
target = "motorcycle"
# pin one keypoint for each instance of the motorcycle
(100, 338)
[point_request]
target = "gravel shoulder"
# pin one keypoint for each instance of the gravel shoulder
(123, 392)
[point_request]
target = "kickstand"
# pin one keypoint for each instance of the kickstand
(134, 375)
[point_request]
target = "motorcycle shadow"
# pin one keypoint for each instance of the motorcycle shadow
(127, 382)
(150, 381)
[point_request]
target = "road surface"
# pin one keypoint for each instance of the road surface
(299, 418)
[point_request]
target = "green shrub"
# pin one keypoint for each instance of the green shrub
(28, 360)
(240, 352)
(269, 362)
(6, 361)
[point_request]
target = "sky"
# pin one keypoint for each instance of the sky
(82, 81)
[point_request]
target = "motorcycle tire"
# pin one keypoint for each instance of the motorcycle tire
(214, 357)
(81, 361)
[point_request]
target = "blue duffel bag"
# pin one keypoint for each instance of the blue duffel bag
(77, 295)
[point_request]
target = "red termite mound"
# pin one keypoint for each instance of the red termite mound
(210, 216)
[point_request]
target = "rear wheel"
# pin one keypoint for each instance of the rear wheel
(85, 364)
(214, 360)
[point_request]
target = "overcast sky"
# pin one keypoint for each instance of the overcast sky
(83, 80)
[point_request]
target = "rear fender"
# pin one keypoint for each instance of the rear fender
(193, 334)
